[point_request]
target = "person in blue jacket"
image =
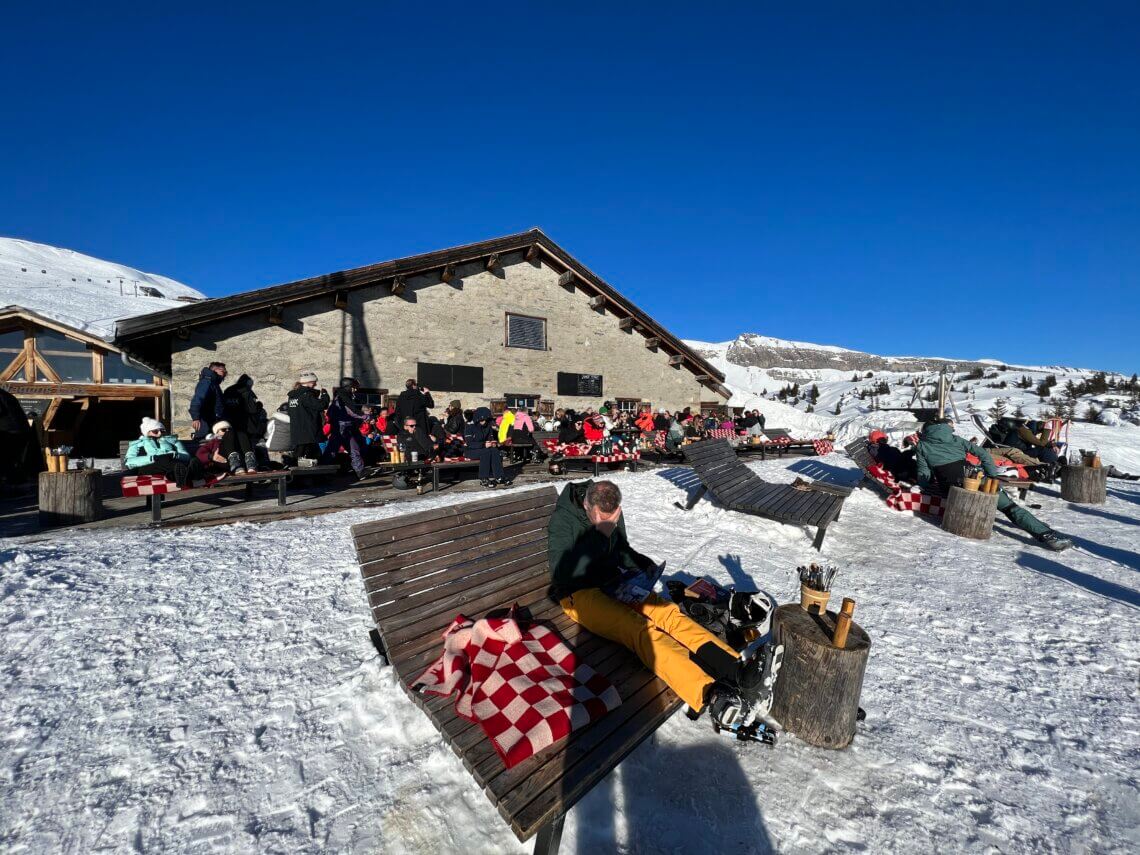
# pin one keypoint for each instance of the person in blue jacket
(207, 405)
(154, 453)
(481, 442)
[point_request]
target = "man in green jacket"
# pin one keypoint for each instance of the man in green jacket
(941, 462)
(589, 551)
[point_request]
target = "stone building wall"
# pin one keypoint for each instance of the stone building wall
(380, 337)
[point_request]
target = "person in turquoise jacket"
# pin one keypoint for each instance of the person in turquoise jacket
(154, 453)
(941, 462)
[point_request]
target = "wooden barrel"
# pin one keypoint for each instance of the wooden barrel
(817, 690)
(969, 514)
(67, 498)
(1084, 485)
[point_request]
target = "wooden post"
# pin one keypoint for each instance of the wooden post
(1084, 485)
(67, 498)
(818, 687)
(970, 514)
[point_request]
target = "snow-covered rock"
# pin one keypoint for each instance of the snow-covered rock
(80, 291)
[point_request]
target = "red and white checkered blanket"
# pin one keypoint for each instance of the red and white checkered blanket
(147, 485)
(722, 433)
(906, 498)
(823, 446)
(582, 449)
(520, 683)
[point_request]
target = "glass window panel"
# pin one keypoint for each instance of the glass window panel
(71, 369)
(116, 371)
(12, 341)
(49, 341)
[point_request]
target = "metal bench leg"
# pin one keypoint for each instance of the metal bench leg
(818, 542)
(435, 479)
(249, 491)
(156, 508)
(597, 471)
(688, 506)
(549, 837)
(281, 492)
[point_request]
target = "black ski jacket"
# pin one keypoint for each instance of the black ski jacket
(306, 415)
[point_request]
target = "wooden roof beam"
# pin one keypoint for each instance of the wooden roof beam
(397, 285)
(340, 300)
(532, 252)
(448, 273)
(597, 302)
(566, 280)
(492, 261)
(626, 323)
(676, 360)
(652, 343)
(276, 314)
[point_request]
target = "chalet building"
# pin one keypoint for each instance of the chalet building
(82, 391)
(509, 321)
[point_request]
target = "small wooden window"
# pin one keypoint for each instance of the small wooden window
(628, 405)
(515, 399)
(377, 398)
(525, 331)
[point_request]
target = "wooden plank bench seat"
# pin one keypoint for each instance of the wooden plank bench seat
(420, 570)
(154, 488)
(740, 489)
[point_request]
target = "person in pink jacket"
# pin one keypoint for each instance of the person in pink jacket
(523, 420)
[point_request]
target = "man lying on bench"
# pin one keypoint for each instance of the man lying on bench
(588, 553)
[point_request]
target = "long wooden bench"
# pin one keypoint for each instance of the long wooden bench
(154, 488)
(420, 570)
(558, 454)
(740, 489)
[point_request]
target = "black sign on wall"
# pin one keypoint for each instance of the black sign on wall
(449, 378)
(580, 385)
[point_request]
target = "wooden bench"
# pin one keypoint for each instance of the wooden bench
(154, 487)
(420, 570)
(740, 489)
(448, 464)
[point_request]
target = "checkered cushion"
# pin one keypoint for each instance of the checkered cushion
(904, 498)
(520, 683)
(823, 446)
(722, 433)
(147, 485)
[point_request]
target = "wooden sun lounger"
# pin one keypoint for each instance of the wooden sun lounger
(740, 489)
(421, 570)
(857, 451)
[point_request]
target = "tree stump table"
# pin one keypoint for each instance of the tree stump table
(1084, 485)
(71, 497)
(969, 513)
(817, 690)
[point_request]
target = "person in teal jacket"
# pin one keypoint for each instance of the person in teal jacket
(941, 462)
(154, 453)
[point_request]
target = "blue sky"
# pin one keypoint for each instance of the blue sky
(946, 179)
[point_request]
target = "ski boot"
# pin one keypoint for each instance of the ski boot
(235, 464)
(757, 680)
(250, 462)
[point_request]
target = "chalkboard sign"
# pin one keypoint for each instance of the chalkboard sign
(580, 385)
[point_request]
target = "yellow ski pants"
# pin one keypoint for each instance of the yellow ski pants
(670, 644)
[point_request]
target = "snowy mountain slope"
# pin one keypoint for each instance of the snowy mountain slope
(850, 402)
(83, 292)
(249, 711)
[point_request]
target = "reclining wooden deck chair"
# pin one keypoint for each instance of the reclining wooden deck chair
(740, 489)
(420, 570)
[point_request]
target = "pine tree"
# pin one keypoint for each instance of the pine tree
(838, 407)
(1092, 414)
(813, 393)
(1019, 413)
(997, 411)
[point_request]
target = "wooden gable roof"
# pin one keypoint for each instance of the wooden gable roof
(137, 333)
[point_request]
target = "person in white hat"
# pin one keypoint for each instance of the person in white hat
(155, 453)
(306, 407)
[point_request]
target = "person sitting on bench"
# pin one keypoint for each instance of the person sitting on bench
(941, 463)
(900, 464)
(480, 441)
(414, 439)
(153, 453)
(571, 431)
(214, 461)
(588, 551)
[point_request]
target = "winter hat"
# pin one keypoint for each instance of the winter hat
(877, 436)
(149, 424)
(604, 410)
(307, 377)
(481, 414)
(222, 425)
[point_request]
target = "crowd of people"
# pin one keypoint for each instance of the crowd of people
(230, 422)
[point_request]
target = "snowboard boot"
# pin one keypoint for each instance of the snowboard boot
(251, 462)
(235, 463)
(1054, 541)
(728, 708)
(757, 679)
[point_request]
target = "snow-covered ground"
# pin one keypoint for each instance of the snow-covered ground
(214, 689)
(80, 291)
